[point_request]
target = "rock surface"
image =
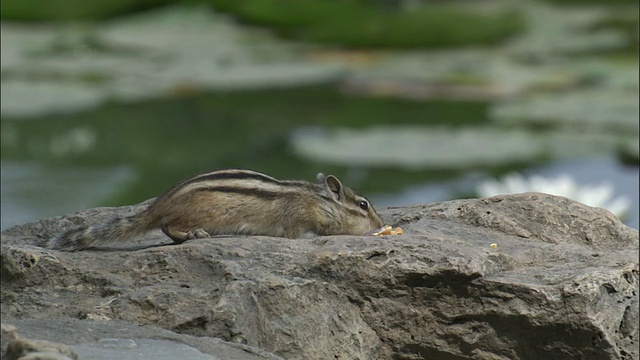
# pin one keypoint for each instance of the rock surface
(562, 283)
(107, 340)
(15, 347)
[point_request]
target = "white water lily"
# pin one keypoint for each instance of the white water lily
(600, 195)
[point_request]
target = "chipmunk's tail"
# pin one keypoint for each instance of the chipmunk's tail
(118, 229)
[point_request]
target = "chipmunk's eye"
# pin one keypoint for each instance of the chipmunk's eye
(364, 205)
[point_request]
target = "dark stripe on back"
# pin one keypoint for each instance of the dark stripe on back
(225, 175)
(238, 175)
(263, 194)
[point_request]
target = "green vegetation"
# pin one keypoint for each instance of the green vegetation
(348, 23)
(357, 24)
(65, 10)
(593, 2)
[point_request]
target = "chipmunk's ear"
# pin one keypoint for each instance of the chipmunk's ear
(320, 178)
(335, 187)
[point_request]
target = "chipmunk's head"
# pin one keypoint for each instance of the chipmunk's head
(357, 215)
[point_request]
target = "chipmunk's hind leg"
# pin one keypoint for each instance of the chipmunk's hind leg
(179, 236)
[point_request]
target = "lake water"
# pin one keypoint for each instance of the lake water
(126, 153)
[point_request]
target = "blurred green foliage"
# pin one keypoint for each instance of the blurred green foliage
(594, 2)
(362, 24)
(65, 10)
(350, 23)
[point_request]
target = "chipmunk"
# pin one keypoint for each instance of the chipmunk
(237, 202)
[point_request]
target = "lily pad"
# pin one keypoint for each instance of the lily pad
(442, 148)
(587, 110)
(22, 99)
(565, 30)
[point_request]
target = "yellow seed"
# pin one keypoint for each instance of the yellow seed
(494, 245)
(388, 230)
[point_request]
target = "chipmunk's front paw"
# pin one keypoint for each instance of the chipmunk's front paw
(197, 234)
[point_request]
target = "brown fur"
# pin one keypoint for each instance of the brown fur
(237, 202)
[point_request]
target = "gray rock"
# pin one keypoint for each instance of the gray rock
(106, 340)
(562, 283)
(15, 347)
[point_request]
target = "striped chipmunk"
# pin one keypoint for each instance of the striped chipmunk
(237, 202)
